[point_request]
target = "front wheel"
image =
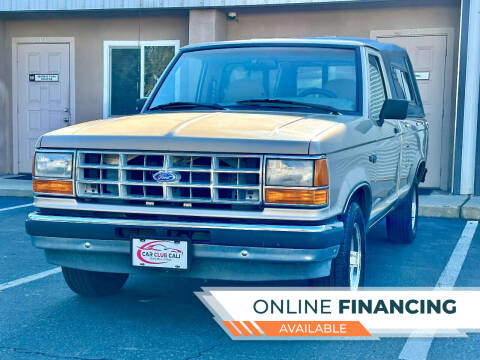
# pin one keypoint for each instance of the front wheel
(402, 222)
(93, 283)
(348, 268)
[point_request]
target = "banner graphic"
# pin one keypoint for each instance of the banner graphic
(326, 314)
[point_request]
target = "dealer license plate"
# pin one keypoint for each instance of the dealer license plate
(160, 253)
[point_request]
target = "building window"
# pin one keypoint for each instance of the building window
(377, 87)
(131, 70)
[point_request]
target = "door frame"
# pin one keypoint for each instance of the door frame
(16, 41)
(449, 114)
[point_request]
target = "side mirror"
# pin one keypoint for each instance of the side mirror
(393, 109)
(139, 104)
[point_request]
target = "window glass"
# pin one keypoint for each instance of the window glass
(156, 61)
(403, 84)
(338, 81)
(175, 89)
(125, 77)
(314, 75)
(377, 87)
(341, 72)
(309, 77)
(126, 84)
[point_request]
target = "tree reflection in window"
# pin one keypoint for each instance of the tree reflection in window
(156, 60)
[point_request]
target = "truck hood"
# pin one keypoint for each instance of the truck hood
(226, 131)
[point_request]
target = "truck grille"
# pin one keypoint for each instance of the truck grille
(193, 178)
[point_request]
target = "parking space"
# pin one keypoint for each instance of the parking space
(156, 318)
(7, 202)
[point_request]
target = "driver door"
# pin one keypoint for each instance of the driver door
(388, 141)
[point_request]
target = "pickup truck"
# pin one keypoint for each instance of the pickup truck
(251, 160)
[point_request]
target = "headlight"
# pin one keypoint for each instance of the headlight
(290, 172)
(52, 173)
(53, 165)
(296, 182)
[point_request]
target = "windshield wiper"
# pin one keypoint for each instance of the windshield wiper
(184, 104)
(258, 102)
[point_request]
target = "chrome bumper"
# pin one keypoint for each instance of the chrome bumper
(230, 259)
(184, 224)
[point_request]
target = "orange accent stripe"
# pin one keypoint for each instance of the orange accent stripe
(252, 328)
(240, 327)
(230, 328)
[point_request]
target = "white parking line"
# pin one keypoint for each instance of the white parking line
(30, 278)
(418, 348)
(16, 207)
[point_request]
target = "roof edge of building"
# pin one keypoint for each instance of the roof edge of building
(78, 5)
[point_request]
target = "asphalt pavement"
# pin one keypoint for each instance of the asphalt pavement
(158, 318)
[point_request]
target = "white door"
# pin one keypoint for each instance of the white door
(43, 97)
(428, 56)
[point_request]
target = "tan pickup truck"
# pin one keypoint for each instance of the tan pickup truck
(250, 160)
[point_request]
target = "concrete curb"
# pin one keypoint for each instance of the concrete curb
(450, 206)
(15, 187)
(471, 209)
(444, 206)
(16, 192)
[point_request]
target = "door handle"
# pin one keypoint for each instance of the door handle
(372, 158)
(396, 130)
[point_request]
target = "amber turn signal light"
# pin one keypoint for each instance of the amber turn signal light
(296, 196)
(63, 187)
(321, 173)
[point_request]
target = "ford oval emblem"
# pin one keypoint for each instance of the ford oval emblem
(166, 177)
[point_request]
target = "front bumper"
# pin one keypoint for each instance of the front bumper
(232, 251)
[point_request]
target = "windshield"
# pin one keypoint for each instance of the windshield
(224, 77)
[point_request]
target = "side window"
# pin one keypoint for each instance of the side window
(403, 84)
(378, 93)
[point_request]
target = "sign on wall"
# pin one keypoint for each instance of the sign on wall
(422, 75)
(43, 77)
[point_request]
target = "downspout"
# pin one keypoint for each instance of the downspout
(472, 87)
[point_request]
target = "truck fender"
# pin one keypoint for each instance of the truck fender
(349, 188)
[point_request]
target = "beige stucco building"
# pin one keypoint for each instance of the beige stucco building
(89, 48)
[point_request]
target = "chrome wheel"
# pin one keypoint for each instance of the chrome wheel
(414, 208)
(355, 257)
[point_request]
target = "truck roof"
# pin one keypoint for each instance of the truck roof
(335, 41)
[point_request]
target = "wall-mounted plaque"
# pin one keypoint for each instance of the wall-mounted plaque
(43, 77)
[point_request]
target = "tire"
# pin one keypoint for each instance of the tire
(348, 271)
(402, 222)
(92, 283)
